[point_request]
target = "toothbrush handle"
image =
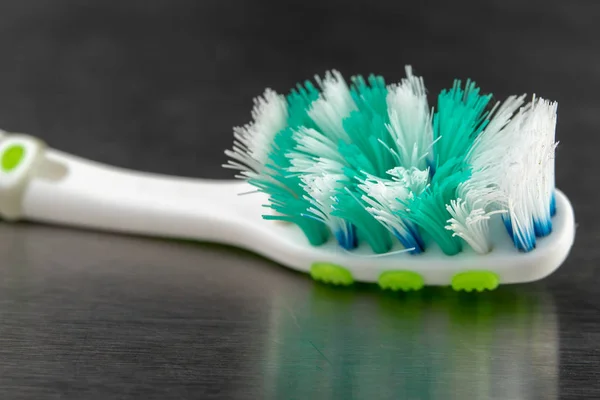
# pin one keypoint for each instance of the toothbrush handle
(45, 185)
(92, 195)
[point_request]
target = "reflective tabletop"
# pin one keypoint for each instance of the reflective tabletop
(93, 313)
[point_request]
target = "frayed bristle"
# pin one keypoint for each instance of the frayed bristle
(253, 142)
(460, 117)
(519, 160)
(333, 106)
(410, 122)
(321, 193)
(470, 222)
(385, 201)
(370, 161)
(429, 211)
(313, 143)
(414, 179)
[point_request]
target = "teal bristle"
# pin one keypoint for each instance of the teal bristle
(357, 162)
(289, 202)
(373, 164)
(366, 127)
(459, 118)
(351, 209)
(371, 145)
(286, 196)
(299, 101)
(428, 211)
(290, 206)
(370, 96)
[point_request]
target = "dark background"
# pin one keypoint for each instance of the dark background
(157, 86)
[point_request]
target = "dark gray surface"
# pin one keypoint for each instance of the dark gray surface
(157, 86)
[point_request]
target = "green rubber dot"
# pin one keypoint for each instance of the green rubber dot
(401, 280)
(11, 157)
(475, 280)
(331, 273)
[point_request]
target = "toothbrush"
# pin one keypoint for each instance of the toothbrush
(365, 183)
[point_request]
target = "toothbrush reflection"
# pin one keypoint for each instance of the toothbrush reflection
(436, 344)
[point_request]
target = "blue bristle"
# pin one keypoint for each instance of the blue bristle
(416, 235)
(432, 168)
(542, 227)
(525, 242)
(522, 240)
(553, 205)
(347, 238)
(411, 240)
(507, 224)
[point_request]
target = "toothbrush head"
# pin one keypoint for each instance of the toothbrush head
(371, 164)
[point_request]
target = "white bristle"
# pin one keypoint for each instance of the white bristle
(410, 120)
(483, 185)
(414, 179)
(516, 157)
(533, 153)
(306, 164)
(470, 222)
(489, 147)
(541, 127)
(321, 189)
(314, 143)
(384, 199)
(386, 192)
(482, 194)
(253, 141)
(519, 211)
(333, 105)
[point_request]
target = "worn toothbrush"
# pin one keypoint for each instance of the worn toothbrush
(362, 182)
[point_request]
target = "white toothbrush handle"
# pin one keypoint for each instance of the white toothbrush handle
(68, 190)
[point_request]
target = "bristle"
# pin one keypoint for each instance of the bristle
(410, 121)
(299, 101)
(302, 163)
(414, 179)
(313, 143)
(253, 142)
(542, 124)
(489, 142)
(459, 119)
(480, 196)
(522, 154)
(370, 117)
(352, 209)
(519, 213)
(287, 199)
(331, 194)
(470, 222)
(356, 160)
(429, 212)
(385, 199)
(373, 161)
(489, 148)
(370, 96)
(333, 105)
(270, 175)
(377, 158)
(321, 190)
